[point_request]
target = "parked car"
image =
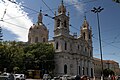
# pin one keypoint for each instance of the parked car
(66, 77)
(19, 76)
(5, 76)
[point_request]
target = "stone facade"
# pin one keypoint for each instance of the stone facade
(74, 55)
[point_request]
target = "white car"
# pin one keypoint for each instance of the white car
(7, 76)
(19, 76)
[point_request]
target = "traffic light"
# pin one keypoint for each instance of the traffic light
(117, 1)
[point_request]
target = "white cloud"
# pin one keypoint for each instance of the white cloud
(78, 4)
(15, 19)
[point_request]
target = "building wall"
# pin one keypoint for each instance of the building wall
(113, 65)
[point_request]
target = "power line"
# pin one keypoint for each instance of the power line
(48, 7)
(23, 6)
(107, 43)
(48, 15)
(74, 27)
(57, 8)
(13, 24)
(52, 9)
(4, 14)
(18, 16)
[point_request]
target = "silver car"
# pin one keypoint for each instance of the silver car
(19, 76)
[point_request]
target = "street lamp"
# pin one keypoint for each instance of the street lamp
(97, 11)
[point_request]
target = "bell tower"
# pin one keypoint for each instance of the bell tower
(86, 31)
(86, 34)
(61, 26)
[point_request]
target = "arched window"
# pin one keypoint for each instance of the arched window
(65, 25)
(85, 49)
(87, 70)
(65, 69)
(65, 45)
(89, 36)
(83, 70)
(91, 72)
(43, 39)
(57, 45)
(79, 70)
(58, 22)
(36, 39)
(90, 53)
(78, 47)
(84, 35)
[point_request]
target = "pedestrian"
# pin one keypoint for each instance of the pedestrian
(112, 77)
(84, 78)
(77, 77)
(11, 76)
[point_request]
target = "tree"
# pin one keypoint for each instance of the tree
(42, 55)
(10, 55)
(107, 72)
(117, 1)
(20, 55)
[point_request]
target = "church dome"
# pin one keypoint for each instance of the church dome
(38, 26)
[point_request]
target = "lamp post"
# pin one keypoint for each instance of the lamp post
(97, 11)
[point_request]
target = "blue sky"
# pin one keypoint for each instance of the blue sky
(19, 18)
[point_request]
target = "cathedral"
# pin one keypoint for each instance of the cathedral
(74, 55)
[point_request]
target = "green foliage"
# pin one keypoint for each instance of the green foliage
(10, 55)
(43, 55)
(18, 55)
(107, 72)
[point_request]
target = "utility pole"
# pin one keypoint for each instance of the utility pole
(1, 34)
(97, 11)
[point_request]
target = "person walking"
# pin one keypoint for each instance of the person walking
(11, 76)
(84, 78)
(112, 77)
